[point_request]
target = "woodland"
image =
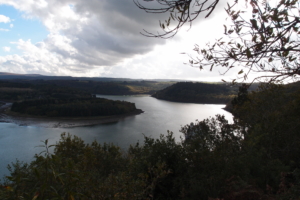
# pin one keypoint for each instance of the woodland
(47, 99)
(25, 88)
(194, 92)
(255, 157)
(80, 107)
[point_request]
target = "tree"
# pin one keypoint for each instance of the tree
(181, 12)
(266, 42)
(271, 118)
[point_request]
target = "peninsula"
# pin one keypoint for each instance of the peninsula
(47, 104)
(196, 92)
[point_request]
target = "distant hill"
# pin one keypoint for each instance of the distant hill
(13, 76)
(5, 75)
(23, 89)
(190, 92)
(76, 107)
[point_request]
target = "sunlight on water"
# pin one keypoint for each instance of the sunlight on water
(19, 142)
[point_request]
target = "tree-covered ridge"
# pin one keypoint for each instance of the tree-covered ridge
(245, 92)
(16, 90)
(72, 98)
(190, 92)
(117, 88)
(255, 157)
(79, 107)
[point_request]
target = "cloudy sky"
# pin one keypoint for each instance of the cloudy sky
(99, 38)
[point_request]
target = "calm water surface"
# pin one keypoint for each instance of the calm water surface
(19, 142)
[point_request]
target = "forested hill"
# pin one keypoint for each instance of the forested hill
(189, 92)
(20, 89)
(65, 98)
(80, 107)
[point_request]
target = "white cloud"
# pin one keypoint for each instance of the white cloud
(3, 29)
(94, 34)
(11, 26)
(37, 59)
(6, 49)
(4, 19)
(101, 38)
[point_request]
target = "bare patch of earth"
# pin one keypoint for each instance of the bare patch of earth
(59, 122)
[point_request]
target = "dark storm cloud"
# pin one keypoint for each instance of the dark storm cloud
(110, 33)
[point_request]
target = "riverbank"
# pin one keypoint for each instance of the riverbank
(58, 122)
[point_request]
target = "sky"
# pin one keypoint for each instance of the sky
(100, 38)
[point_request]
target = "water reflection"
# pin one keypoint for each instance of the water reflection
(20, 141)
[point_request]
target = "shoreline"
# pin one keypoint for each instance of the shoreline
(208, 103)
(58, 122)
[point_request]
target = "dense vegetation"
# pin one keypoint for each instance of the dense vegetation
(117, 88)
(190, 92)
(256, 157)
(17, 90)
(80, 107)
(24, 89)
(72, 98)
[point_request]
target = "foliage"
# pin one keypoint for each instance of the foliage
(23, 89)
(213, 147)
(265, 41)
(80, 171)
(75, 171)
(17, 90)
(273, 120)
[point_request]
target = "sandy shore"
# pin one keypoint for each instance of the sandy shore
(9, 117)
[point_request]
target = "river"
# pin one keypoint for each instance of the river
(20, 142)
